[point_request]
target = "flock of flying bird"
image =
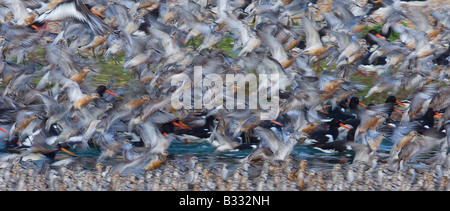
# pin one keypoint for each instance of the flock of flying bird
(315, 47)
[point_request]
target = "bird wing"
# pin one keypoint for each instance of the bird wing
(149, 133)
(268, 137)
(167, 42)
(275, 46)
(344, 13)
(325, 80)
(401, 131)
(94, 22)
(420, 20)
(75, 10)
(73, 90)
(49, 103)
(342, 38)
(19, 11)
(421, 95)
(62, 12)
(367, 115)
(238, 28)
(440, 100)
(312, 36)
(162, 117)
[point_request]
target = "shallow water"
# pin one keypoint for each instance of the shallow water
(181, 152)
(318, 160)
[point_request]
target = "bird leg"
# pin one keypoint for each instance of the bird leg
(103, 50)
(25, 61)
(115, 60)
(80, 54)
(306, 116)
(316, 66)
(247, 139)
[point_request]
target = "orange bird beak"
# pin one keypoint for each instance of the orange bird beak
(362, 104)
(178, 125)
(68, 152)
(98, 13)
(275, 122)
(381, 37)
(181, 125)
(398, 102)
(344, 126)
(111, 93)
(437, 115)
(185, 126)
(3, 130)
(397, 111)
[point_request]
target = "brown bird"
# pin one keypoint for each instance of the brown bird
(367, 152)
(314, 45)
(420, 100)
(277, 50)
(404, 141)
(78, 78)
(402, 135)
(126, 110)
(76, 97)
(98, 40)
(329, 85)
(25, 122)
(291, 59)
(413, 147)
(421, 21)
(310, 127)
(156, 162)
(372, 118)
(84, 100)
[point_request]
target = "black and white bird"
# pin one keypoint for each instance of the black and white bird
(74, 10)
